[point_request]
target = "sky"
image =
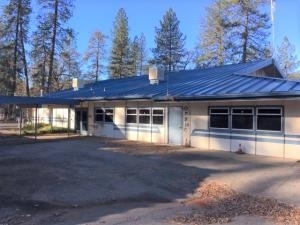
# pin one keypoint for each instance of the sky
(144, 16)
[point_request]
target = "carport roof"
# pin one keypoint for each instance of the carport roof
(36, 101)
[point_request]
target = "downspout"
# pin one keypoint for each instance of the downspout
(20, 121)
(69, 113)
(35, 124)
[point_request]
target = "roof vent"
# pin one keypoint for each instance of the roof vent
(156, 74)
(77, 83)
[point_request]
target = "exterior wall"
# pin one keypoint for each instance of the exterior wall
(279, 144)
(57, 116)
(122, 130)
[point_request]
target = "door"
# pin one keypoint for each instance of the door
(82, 121)
(175, 125)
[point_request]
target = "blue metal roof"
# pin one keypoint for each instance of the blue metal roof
(224, 82)
(36, 101)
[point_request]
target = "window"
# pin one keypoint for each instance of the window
(269, 119)
(242, 118)
(99, 114)
(158, 116)
(104, 115)
(131, 116)
(144, 116)
(109, 115)
(219, 117)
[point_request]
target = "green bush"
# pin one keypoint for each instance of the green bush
(43, 128)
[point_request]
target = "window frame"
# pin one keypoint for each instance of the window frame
(148, 115)
(158, 115)
(270, 114)
(103, 114)
(228, 117)
(95, 114)
(232, 114)
(131, 114)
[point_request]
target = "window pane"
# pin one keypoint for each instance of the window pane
(219, 121)
(242, 111)
(99, 110)
(269, 122)
(131, 119)
(158, 111)
(269, 111)
(98, 117)
(219, 111)
(109, 118)
(144, 119)
(109, 111)
(131, 111)
(159, 120)
(242, 122)
(144, 111)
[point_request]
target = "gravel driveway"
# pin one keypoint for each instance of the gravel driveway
(102, 181)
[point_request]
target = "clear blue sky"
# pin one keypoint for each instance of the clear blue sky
(144, 15)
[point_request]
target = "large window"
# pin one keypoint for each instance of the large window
(242, 118)
(269, 119)
(158, 116)
(219, 117)
(104, 115)
(144, 116)
(131, 115)
(109, 115)
(99, 114)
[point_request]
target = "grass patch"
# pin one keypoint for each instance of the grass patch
(43, 128)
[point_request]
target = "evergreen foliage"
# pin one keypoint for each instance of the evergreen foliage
(234, 31)
(120, 53)
(170, 41)
(95, 54)
(286, 58)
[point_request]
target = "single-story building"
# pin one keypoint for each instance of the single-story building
(248, 106)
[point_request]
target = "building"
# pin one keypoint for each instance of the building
(242, 106)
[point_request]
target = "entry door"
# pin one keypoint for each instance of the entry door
(175, 125)
(82, 121)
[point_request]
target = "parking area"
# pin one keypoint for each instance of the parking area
(88, 180)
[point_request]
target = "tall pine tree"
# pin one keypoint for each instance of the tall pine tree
(120, 53)
(214, 39)
(13, 35)
(249, 31)
(286, 57)
(48, 40)
(170, 41)
(95, 54)
(234, 31)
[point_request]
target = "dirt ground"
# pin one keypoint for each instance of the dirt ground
(87, 180)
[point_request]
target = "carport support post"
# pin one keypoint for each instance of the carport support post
(20, 120)
(35, 124)
(69, 114)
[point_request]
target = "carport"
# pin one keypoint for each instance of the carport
(35, 103)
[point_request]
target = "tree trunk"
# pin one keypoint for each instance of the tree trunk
(16, 41)
(24, 60)
(53, 44)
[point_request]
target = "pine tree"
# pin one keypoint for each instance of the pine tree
(214, 39)
(119, 59)
(95, 54)
(49, 38)
(69, 62)
(249, 31)
(169, 50)
(286, 58)
(234, 31)
(142, 54)
(13, 35)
